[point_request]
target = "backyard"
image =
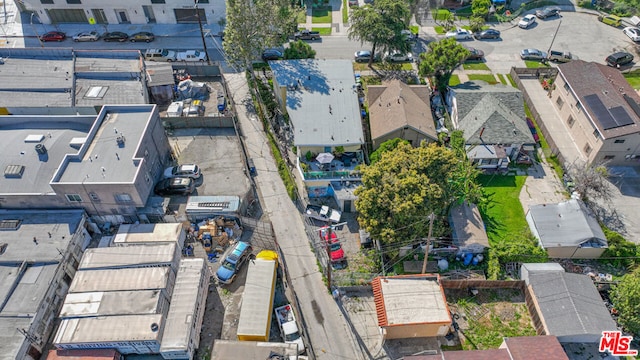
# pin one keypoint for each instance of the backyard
(503, 213)
(488, 316)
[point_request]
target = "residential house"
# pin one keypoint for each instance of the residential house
(40, 251)
(126, 12)
(494, 123)
(568, 306)
(398, 110)
(106, 164)
(409, 306)
(567, 230)
(468, 229)
(64, 81)
(321, 99)
(601, 113)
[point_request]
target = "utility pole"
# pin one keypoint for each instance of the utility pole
(204, 42)
(554, 38)
(426, 251)
(328, 247)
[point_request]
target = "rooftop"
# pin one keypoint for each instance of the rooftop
(90, 354)
(23, 291)
(10, 338)
(612, 104)
(321, 100)
(251, 350)
(129, 256)
(468, 226)
(136, 302)
(151, 278)
(410, 299)
(148, 233)
(124, 328)
(344, 189)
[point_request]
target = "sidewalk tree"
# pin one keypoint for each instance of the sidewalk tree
(476, 23)
(441, 60)
(299, 50)
(590, 180)
(254, 25)
(381, 24)
(400, 190)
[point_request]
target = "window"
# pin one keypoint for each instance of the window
(560, 102)
(587, 149)
(73, 198)
(203, 1)
(74, 2)
(157, 1)
(123, 198)
(596, 134)
(579, 106)
(566, 87)
(46, 1)
(570, 121)
(609, 157)
(94, 196)
(619, 141)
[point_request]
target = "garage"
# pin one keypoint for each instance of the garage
(59, 16)
(187, 16)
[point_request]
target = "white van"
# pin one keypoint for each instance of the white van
(160, 55)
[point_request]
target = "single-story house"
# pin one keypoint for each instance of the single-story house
(567, 230)
(468, 231)
(398, 110)
(494, 123)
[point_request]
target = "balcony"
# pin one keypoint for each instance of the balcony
(338, 169)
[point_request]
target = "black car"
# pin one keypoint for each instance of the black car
(142, 36)
(272, 54)
(175, 186)
(475, 54)
(618, 59)
(115, 36)
(548, 12)
(487, 34)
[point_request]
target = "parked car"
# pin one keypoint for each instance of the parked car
(175, 186)
(459, 34)
(187, 170)
(53, 36)
(364, 56)
(610, 20)
(527, 21)
(272, 54)
(619, 58)
(115, 36)
(86, 36)
(475, 54)
(353, 3)
(191, 55)
(142, 36)
(233, 262)
(632, 32)
(548, 12)
(487, 34)
(396, 56)
(306, 35)
(408, 35)
(532, 54)
(160, 55)
(559, 56)
(335, 249)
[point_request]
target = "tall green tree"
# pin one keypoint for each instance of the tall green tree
(384, 147)
(299, 50)
(403, 188)
(626, 299)
(480, 8)
(381, 24)
(254, 25)
(442, 59)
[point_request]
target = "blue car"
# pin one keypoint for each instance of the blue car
(233, 262)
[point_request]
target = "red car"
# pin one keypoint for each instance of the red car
(53, 36)
(336, 251)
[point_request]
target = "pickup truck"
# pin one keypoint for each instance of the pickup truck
(306, 35)
(191, 55)
(289, 327)
(559, 56)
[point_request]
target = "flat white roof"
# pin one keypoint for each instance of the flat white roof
(120, 256)
(148, 233)
(413, 300)
(126, 328)
(121, 279)
(257, 299)
(182, 312)
(111, 303)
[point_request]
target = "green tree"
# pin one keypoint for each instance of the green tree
(381, 25)
(626, 299)
(520, 248)
(299, 50)
(476, 23)
(384, 147)
(619, 252)
(447, 20)
(252, 26)
(400, 191)
(444, 57)
(480, 8)
(464, 184)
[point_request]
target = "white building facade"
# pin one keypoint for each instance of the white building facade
(126, 12)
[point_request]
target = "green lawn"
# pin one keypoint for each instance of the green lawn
(474, 65)
(503, 215)
(502, 79)
(439, 30)
(633, 78)
(484, 77)
(511, 81)
(321, 15)
(345, 12)
(322, 30)
(454, 80)
(534, 64)
(440, 14)
(415, 29)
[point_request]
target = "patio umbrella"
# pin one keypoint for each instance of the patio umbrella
(324, 158)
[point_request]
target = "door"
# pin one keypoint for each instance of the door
(122, 16)
(99, 16)
(347, 206)
(148, 14)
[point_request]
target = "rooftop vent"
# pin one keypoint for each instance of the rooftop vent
(14, 171)
(9, 224)
(96, 92)
(41, 149)
(120, 140)
(34, 138)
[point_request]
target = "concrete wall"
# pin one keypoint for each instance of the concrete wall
(417, 330)
(574, 252)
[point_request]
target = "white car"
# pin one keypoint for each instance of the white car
(86, 36)
(191, 55)
(632, 32)
(459, 34)
(527, 21)
(187, 170)
(396, 56)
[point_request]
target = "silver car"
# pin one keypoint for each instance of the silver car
(86, 36)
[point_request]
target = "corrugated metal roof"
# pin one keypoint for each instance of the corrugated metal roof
(121, 279)
(256, 309)
(148, 233)
(119, 256)
(126, 328)
(111, 303)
